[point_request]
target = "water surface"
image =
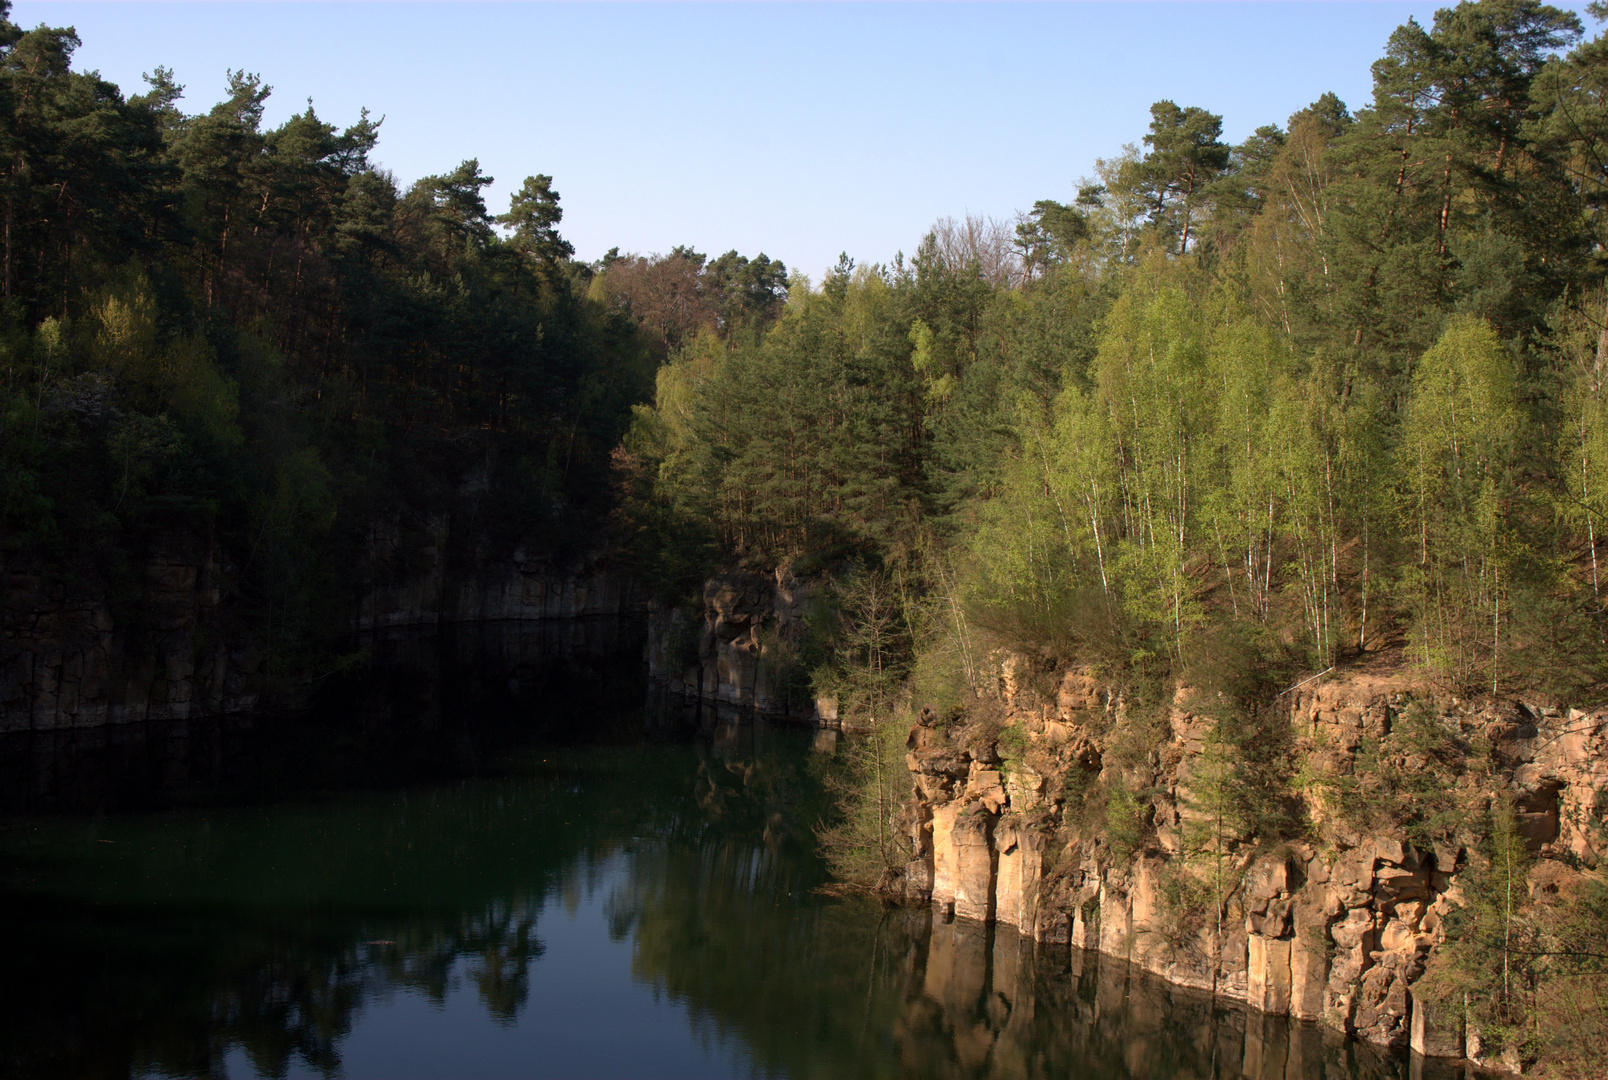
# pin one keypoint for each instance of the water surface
(503, 858)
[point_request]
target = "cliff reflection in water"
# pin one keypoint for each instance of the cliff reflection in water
(854, 989)
(230, 907)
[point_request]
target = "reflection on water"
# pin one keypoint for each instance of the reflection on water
(528, 876)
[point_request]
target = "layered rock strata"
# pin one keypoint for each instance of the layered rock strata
(1337, 929)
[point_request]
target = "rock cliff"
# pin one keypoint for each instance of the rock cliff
(177, 647)
(65, 661)
(1335, 928)
(399, 717)
(739, 648)
(409, 581)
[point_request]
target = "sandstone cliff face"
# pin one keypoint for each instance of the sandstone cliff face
(737, 649)
(1337, 929)
(67, 662)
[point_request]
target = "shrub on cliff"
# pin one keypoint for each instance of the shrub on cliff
(862, 840)
(1412, 780)
(1493, 960)
(868, 631)
(1575, 986)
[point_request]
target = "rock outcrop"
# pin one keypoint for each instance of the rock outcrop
(1337, 928)
(740, 648)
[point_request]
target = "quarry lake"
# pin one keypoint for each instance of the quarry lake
(500, 855)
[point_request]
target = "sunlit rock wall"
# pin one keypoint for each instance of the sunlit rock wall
(1337, 930)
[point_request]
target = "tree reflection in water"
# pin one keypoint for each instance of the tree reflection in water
(172, 942)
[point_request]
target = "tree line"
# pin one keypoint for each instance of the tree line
(220, 336)
(1338, 385)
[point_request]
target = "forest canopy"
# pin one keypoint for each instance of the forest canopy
(1338, 386)
(255, 343)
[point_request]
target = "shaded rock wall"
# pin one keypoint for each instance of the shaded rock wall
(738, 649)
(428, 703)
(65, 661)
(1338, 930)
(409, 581)
(181, 650)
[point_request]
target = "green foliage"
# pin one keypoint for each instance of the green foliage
(1125, 823)
(1137, 735)
(1528, 962)
(1493, 956)
(1243, 785)
(1408, 780)
(870, 646)
(1078, 785)
(1185, 157)
(533, 215)
(937, 679)
(1186, 906)
(1050, 235)
(862, 841)
(249, 341)
(1574, 984)
(798, 445)
(1456, 452)
(1012, 743)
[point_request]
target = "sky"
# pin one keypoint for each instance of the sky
(799, 130)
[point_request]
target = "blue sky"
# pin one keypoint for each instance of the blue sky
(799, 130)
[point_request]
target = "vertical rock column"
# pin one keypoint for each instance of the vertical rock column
(963, 860)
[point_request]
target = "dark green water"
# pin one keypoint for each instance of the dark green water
(495, 861)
